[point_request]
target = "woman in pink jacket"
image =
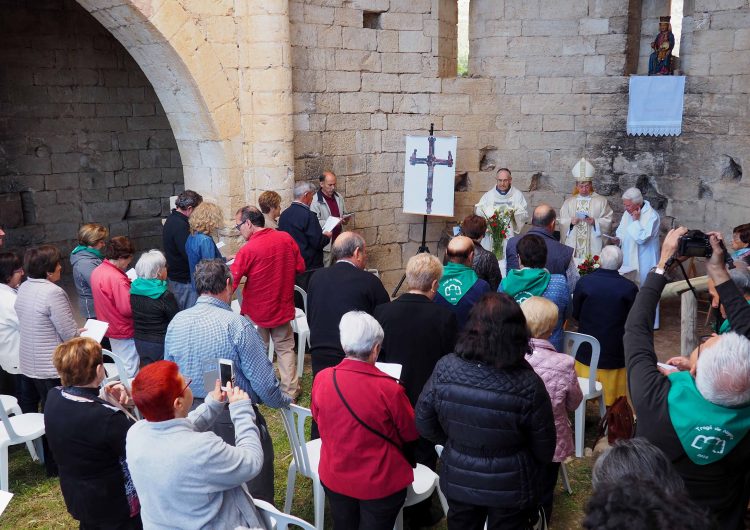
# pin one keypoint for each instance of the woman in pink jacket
(557, 370)
(110, 288)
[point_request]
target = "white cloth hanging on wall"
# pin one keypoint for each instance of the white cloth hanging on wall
(655, 106)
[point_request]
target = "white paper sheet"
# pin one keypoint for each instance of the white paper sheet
(331, 223)
(95, 329)
(131, 274)
(220, 245)
(5, 497)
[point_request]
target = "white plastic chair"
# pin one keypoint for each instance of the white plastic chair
(392, 369)
(19, 429)
(11, 407)
(425, 482)
(121, 369)
(305, 459)
(277, 520)
(591, 388)
(301, 327)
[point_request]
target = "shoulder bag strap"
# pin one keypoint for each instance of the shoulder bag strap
(363, 424)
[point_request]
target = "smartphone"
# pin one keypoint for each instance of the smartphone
(226, 373)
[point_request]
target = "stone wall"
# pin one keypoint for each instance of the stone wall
(547, 85)
(83, 137)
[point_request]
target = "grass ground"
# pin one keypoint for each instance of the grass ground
(38, 502)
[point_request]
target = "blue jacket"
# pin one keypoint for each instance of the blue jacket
(601, 303)
(302, 224)
(199, 247)
(558, 255)
(497, 427)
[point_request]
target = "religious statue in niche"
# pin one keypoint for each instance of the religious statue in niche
(660, 61)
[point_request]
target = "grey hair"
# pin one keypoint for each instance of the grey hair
(610, 258)
(150, 263)
(359, 334)
(636, 457)
(634, 195)
(211, 276)
(741, 278)
(303, 187)
(723, 371)
(344, 247)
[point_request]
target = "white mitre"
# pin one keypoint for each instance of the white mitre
(583, 171)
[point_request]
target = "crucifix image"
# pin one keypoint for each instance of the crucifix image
(430, 161)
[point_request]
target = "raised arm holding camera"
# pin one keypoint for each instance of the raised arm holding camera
(701, 423)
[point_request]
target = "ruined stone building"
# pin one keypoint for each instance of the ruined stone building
(108, 107)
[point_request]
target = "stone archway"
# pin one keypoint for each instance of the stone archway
(222, 72)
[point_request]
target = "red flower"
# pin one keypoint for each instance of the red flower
(596, 258)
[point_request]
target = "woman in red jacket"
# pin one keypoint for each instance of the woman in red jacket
(110, 288)
(363, 469)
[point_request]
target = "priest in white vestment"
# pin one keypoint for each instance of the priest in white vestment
(586, 215)
(638, 235)
(504, 196)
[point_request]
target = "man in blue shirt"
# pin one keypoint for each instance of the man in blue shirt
(197, 337)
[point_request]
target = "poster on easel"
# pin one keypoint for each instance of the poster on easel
(429, 175)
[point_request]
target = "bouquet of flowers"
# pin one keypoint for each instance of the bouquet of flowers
(588, 265)
(498, 223)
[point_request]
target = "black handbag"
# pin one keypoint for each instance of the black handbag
(408, 449)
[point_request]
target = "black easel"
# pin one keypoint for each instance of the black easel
(423, 247)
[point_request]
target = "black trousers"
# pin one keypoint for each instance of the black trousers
(471, 517)
(134, 523)
(354, 514)
(260, 487)
(42, 386)
(149, 352)
(548, 482)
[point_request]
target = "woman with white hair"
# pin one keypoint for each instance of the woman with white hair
(365, 420)
(601, 303)
(153, 306)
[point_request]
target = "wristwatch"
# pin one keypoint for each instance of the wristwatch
(657, 270)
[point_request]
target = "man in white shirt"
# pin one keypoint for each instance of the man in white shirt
(638, 235)
(586, 215)
(503, 195)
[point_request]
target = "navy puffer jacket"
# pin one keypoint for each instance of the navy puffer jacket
(497, 428)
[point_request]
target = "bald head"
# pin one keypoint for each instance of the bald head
(544, 216)
(351, 247)
(460, 250)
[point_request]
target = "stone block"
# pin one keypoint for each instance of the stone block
(318, 14)
(741, 84)
(144, 208)
(104, 212)
(379, 121)
(561, 66)
(714, 40)
(473, 122)
(61, 181)
(329, 37)
(410, 6)
(144, 227)
(410, 122)
(152, 158)
(521, 9)
(742, 39)
(401, 21)
(382, 201)
(339, 143)
(552, 122)
(345, 16)
(359, 38)
(327, 103)
(11, 210)
(611, 44)
(144, 176)
(594, 65)
(357, 60)
(377, 82)
(521, 85)
(555, 104)
(66, 162)
(387, 40)
(729, 63)
(341, 122)
(730, 20)
(411, 103)
(353, 102)
(555, 85)
(396, 233)
(578, 45)
(593, 26)
(414, 42)
(730, 105)
(343, 81)
(608, 8)
(379, 164)
(548, 28)
(33, 164)
(349, 165)
(399, 63)
(417, 83)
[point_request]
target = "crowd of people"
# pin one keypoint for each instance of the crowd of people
(483, 369)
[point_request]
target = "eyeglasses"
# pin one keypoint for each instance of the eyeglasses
(237, 227)
(186, 387)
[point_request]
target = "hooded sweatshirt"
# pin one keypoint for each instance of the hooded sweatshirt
(525, 283)
(84, 260)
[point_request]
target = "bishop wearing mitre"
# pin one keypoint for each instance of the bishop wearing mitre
(586, 215)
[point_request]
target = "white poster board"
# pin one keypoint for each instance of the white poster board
(425, 155)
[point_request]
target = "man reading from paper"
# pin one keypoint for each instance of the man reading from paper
(586, 215)
(503, 196)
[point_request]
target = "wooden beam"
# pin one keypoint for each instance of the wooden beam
(688, 323)
(675, 289)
